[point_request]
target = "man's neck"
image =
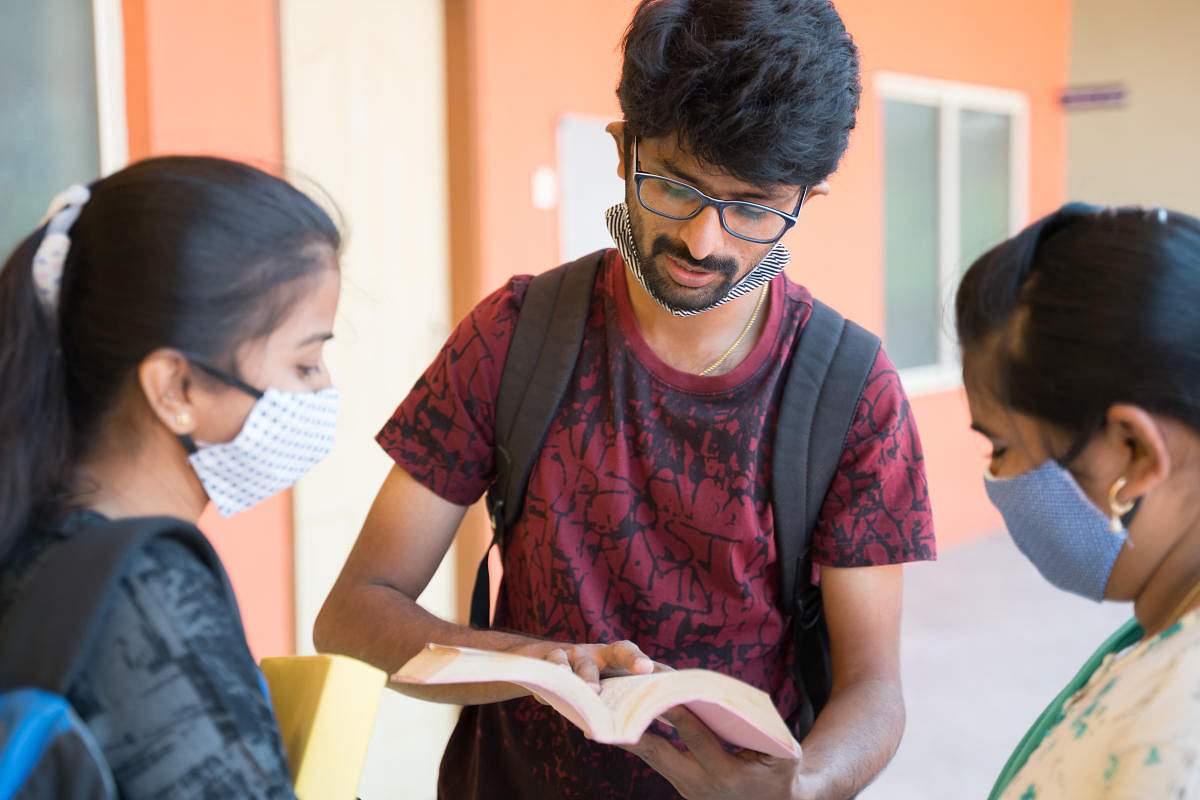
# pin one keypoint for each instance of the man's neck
(692, 344)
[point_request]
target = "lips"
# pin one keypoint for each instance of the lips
(693, 279)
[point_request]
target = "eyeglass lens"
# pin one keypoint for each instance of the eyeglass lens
(681, 201)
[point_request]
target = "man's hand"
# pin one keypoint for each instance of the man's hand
(707, 771)
(591, 661)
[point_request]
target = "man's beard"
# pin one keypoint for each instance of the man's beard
(666, 291)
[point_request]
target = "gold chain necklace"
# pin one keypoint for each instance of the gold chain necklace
(749, 324)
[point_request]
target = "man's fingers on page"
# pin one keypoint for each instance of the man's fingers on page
(585, 666)
(558, 656)
(628, 656)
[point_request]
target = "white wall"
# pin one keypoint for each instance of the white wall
(364, 117)
(1145, 152)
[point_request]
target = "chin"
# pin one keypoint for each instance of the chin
(681, 297)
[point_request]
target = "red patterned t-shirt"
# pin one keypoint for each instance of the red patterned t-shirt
(647, 517)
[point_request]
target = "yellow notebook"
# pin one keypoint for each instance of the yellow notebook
(326, 708)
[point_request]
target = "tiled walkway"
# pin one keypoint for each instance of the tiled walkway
(986, 644)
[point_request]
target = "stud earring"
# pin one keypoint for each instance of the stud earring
(1116, 508)
(184, 420)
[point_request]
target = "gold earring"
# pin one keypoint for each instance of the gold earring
(1117, 509)
(183, 420)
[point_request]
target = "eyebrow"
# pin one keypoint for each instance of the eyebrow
(316, 337)
(975, 426)
(755, 195)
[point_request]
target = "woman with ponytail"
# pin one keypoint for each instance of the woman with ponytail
(161, 344)
(1081, 360)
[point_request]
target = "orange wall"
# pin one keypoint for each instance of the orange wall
(1020, 44)
(528, 61)
(204, 78)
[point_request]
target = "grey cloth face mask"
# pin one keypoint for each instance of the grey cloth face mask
(1058, 528)
(621, 231)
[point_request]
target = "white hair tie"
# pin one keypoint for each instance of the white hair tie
(52, 252)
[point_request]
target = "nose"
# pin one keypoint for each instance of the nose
(703, 233)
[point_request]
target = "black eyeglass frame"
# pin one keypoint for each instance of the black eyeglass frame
(639, 177)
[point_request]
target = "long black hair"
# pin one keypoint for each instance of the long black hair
(1086, 308)
(189, 252)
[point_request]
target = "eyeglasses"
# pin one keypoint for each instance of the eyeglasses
(674, 199)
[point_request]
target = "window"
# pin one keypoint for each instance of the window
(62, 80)
(955, 184)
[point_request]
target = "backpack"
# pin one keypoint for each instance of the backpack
(822, 388)
(46, 640)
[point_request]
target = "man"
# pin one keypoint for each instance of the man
(647, 531)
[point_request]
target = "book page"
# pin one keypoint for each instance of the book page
(565, 691)
(735, 711)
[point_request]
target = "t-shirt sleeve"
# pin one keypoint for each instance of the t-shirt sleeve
(877, 510)
(172, 692)
(442, 433)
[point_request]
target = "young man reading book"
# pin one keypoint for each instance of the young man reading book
(647, 530)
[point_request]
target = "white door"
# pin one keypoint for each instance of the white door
(364, 118)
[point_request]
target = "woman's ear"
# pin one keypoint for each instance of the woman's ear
(164, 378)
(617, 131)
(1136, 439)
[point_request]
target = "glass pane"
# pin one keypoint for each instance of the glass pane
(910, 213)
(984, 184)
(48, 131)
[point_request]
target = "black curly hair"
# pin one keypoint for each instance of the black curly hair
(766, 90)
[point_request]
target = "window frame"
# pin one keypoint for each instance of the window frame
(108, 26)
(950, 98)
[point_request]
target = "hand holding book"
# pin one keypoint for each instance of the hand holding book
(624, 706)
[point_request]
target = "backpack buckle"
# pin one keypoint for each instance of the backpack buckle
(808, 607)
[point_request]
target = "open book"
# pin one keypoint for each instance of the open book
(735, 711)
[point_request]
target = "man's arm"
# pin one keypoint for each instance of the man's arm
(858, 731)
(371, 612)
(854, 736)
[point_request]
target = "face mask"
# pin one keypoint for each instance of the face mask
(621, 231)
(1058, 528)
(286, 435)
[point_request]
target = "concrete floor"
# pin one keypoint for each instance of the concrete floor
(986, 644)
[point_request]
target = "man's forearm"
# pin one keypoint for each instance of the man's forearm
(382, 627)
(854, 737)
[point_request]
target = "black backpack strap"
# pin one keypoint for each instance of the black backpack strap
(541, 359)
(54, 621)
(821, 394)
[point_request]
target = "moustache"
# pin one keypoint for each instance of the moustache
(678, 251)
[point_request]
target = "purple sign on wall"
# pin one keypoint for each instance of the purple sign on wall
(1102, 95)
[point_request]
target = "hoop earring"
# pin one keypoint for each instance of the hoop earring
(1117, 509)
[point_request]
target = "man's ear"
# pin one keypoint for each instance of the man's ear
(164, 376)
(617, 131)
(1137, 439)
(821, 188)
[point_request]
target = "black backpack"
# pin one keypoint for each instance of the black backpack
(48, 632)
(824, 382)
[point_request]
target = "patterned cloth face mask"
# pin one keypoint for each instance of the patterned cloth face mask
(286, 435)
(1058, 528)
(621, 231)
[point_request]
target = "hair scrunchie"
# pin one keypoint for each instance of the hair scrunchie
(52, 252)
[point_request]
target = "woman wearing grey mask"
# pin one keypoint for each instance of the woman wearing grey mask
(1081, 359)
(161, 342)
